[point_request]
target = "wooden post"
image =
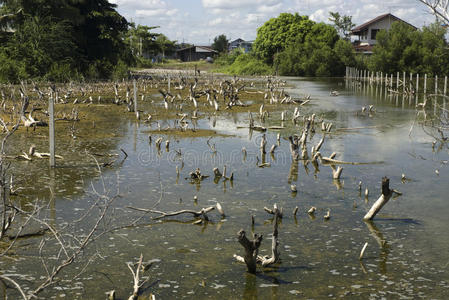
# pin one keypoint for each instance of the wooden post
(411, 78)
(135, 97)
(51, 127)
(381, 78)
(397, 81)
(403, 82)
(169, 83)
(425, 84)
(436, 84)
(445, 85)
(391, 81)
(417, 83)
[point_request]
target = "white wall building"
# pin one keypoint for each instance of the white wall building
(367, 32)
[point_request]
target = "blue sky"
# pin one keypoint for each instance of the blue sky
(199, 21)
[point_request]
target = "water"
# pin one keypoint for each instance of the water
(407, 253)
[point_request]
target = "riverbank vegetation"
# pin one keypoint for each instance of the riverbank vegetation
(72, 40)
(78, 41)
(295, 45)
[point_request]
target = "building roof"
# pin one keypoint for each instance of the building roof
(239, 40)
(365, 25)
(199, 49)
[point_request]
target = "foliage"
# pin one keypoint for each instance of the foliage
(226, 59)
(277, 34)
(321, 54)
(220, 43)
(403, 48)
(165, 46)
(343, 24)
(56, 40)
(141, 40)
(121, 71)
(247, 64)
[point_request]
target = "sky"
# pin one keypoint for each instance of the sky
(199, 21)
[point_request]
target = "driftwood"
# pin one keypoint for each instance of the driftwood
(136, 278)
(202, 213)
(295, 210)
(220, 210)
(332, 160)
(196, 175)
(363, 251)
(266, 261)
(275, 211)
(383, 199)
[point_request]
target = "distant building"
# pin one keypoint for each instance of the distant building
(195, 53)
(366, 33)
(240, 44)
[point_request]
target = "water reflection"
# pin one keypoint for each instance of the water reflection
(250, 292)
(293, 173)
(384, 246)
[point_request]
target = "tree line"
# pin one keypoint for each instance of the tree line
(62, 40)
(291, 44)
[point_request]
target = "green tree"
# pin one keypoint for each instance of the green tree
(343, 24)
(403, 48)
(321, 53)
(220, 43)
(54, 39)
(279, 33)
(165, 46)
(141, 40)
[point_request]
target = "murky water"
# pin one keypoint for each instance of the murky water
(407, 255)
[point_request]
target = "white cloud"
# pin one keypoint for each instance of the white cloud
(270, 8)
(232, 4)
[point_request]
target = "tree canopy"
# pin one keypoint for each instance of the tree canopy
(343, 24)
(54, 39)
(403, 48)
(279, 33)
(220, 43)
(322, 53)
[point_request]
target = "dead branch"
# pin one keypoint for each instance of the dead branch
(266, 261)
(196, 214)
(16, 285)
(274, 211)
(136, 277)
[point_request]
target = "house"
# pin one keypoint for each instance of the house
(194, 53)
(366, 33)
(240, 44)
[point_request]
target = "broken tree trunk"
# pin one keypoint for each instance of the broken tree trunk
(251, 250)
(383, 199)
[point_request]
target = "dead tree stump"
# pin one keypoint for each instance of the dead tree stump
(383, 199)
(251, 250)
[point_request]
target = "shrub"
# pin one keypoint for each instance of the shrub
(120, 71)
(246, 64)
